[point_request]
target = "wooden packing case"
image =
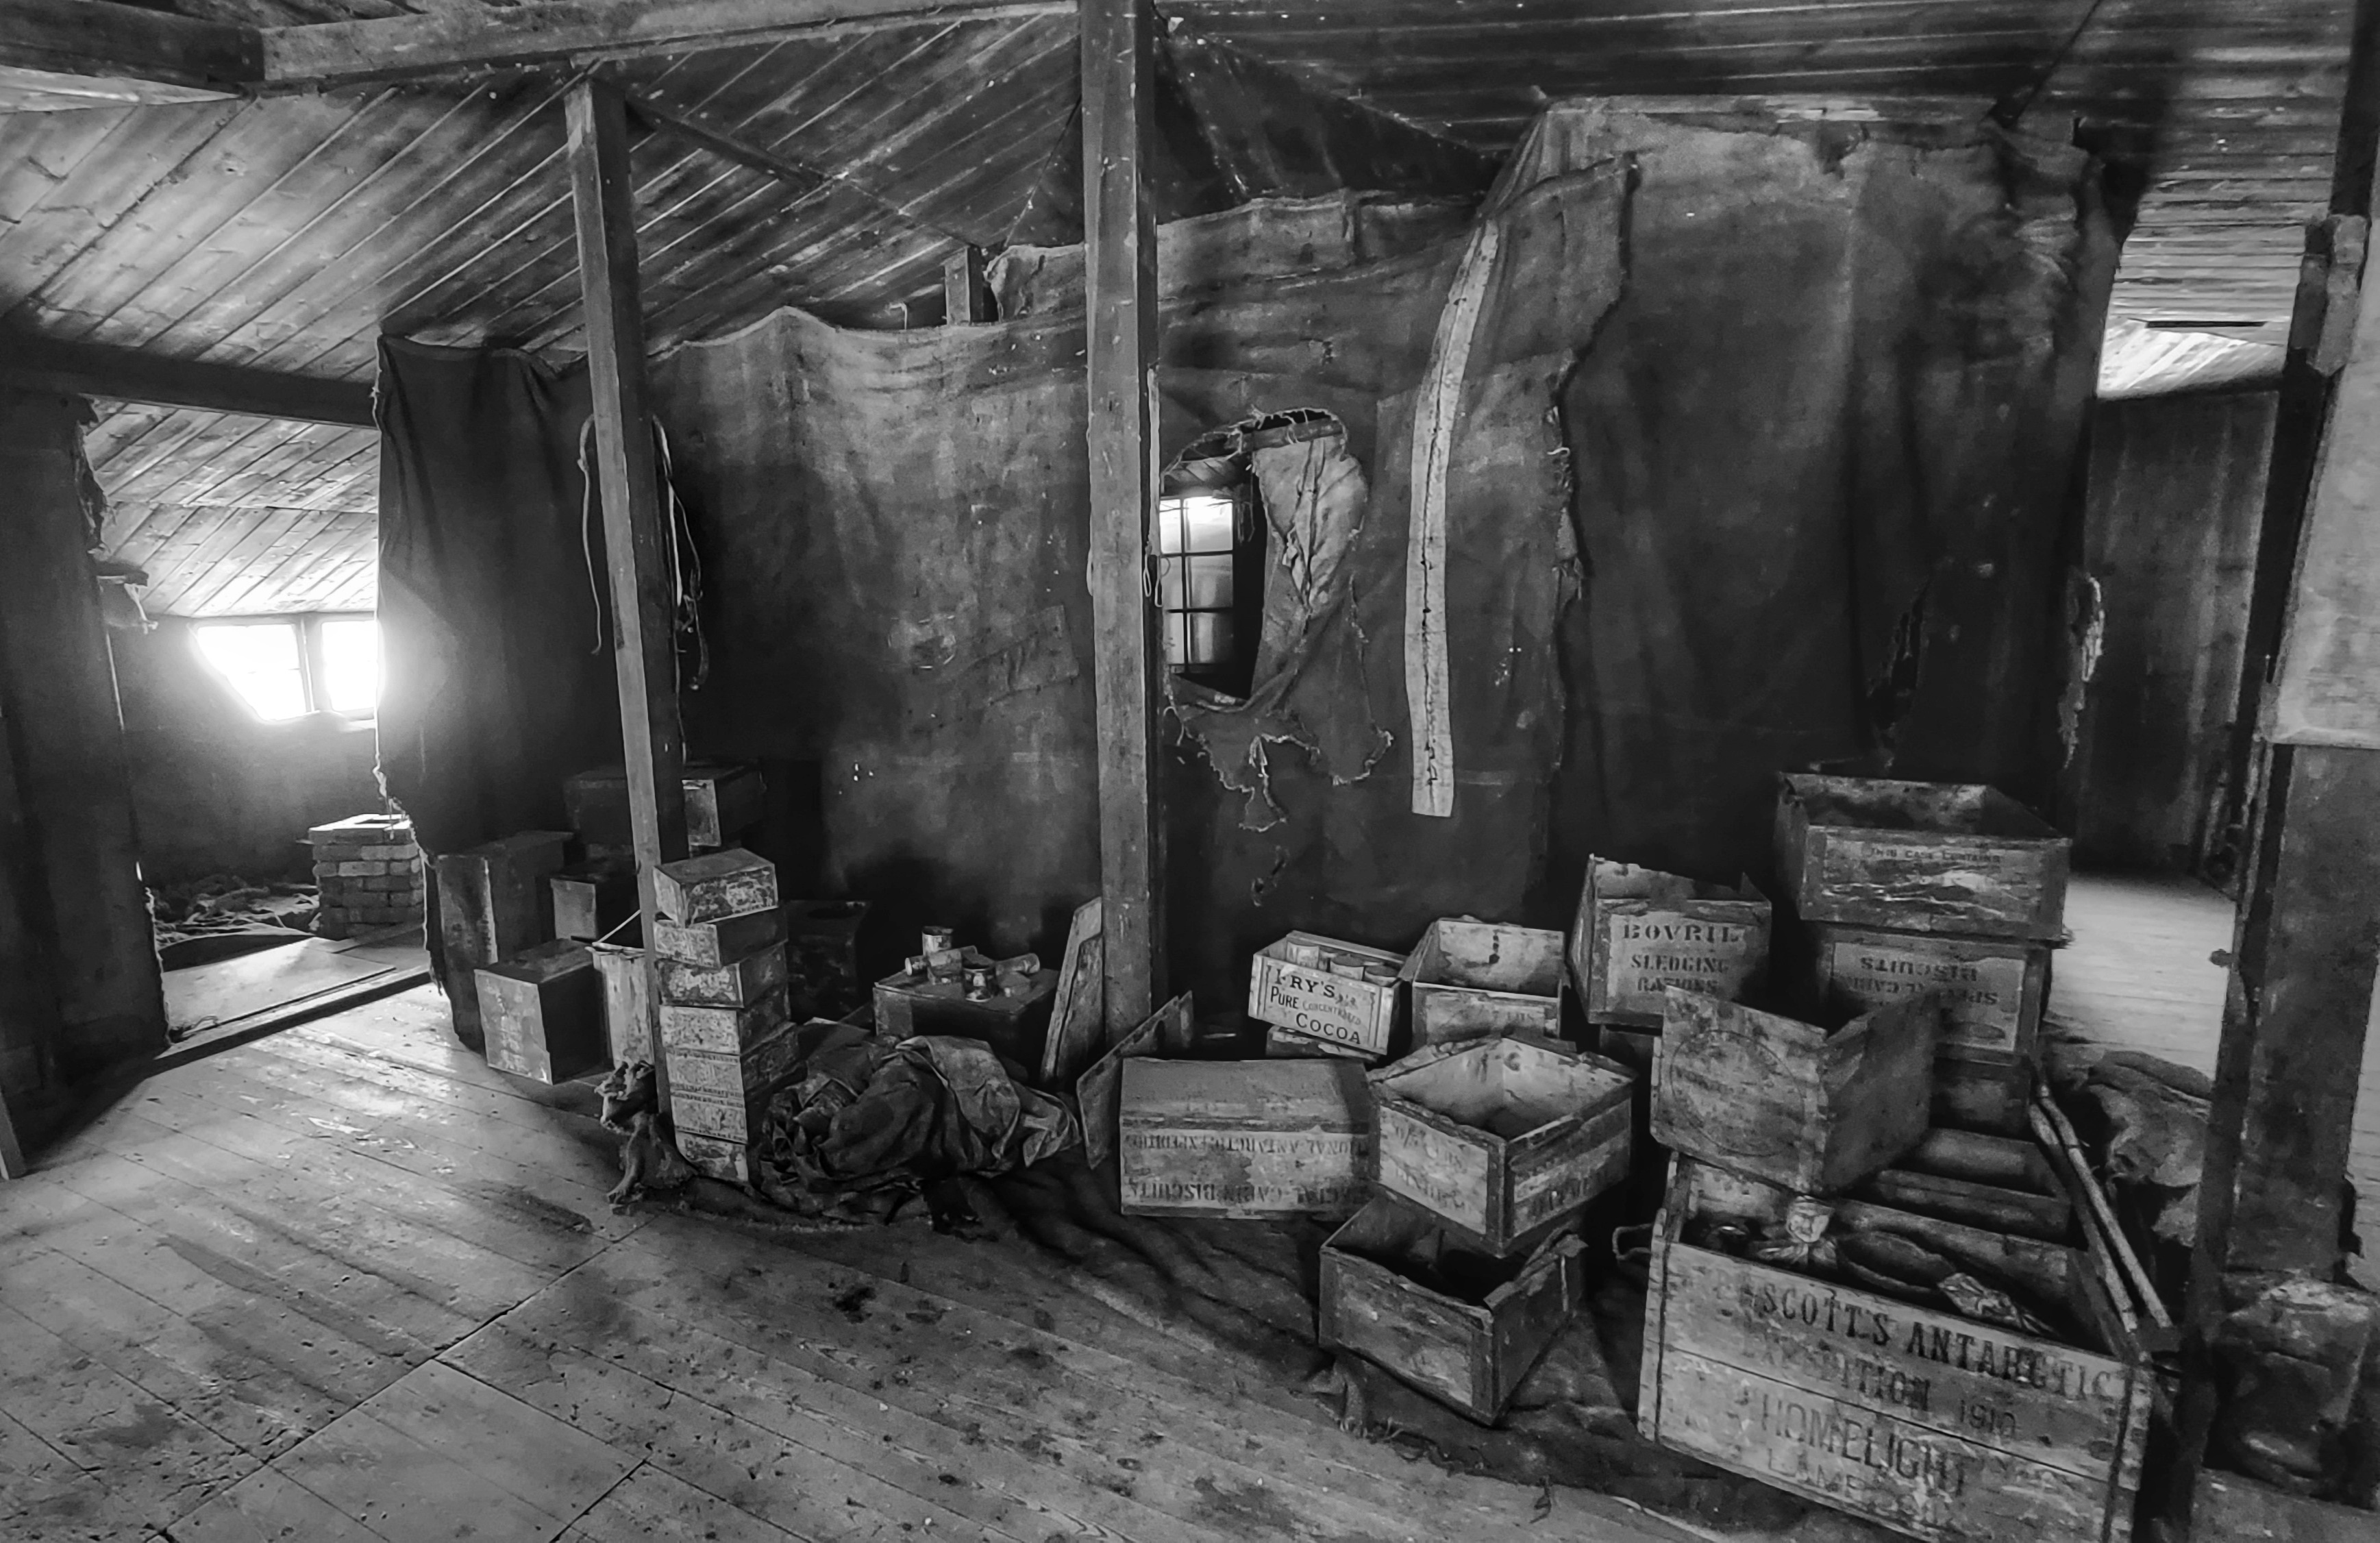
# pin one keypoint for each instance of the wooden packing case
(737, 983)
(1243, 1138)
(727, 1031)
(628, 1023)
(1321, 989)
(1640, 931)
(1501, 1140)
(714, 886)
(718, 942)
(1014, 1022)
(721, 801)
(1992, 989)
(1387, 1294)
(1467, 979)
(1940, 1427)
(542, 1014)
(1929, 856)
(1774, 1097)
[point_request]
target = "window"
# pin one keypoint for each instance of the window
(1210, 583)
(287, 668)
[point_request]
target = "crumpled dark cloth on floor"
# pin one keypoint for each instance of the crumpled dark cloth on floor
(869, 1122)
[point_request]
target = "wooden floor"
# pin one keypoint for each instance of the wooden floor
(345, 1283)
(2141, 975)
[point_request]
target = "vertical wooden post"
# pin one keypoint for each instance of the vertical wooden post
(1120, 262)
(642, 648)
(965, 295)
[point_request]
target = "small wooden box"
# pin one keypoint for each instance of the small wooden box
(1464, 1329)
(627, 1000)
(1991, 988)
(1774, 1097)
(1944, 1427)
(717, 884)
(590, 899)
(1933, 856)
(1294, 983)
(1640, 931)
(721, 801)
(492, 906)
(718, 942)
(737, 983)
(1244, 1138)
(1501, 1140)
(722, 1117)
(727, 1031)
(542, 1014)
(1013, 1023)
(755, 1070)
(729, 1161)
(1469, 978)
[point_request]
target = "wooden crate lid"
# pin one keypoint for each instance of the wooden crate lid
(1504, 1088)
(546, 962)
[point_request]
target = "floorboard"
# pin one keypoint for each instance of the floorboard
(346, 1283)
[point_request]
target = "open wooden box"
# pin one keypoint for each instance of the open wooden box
(1502, 1140)
(1929, 856)
(1467, 979)
(1941, 1427)
(1462, 1327)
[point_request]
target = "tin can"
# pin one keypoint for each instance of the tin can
(938, 940)
(982, 983)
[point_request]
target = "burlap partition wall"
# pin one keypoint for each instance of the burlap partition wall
(1755, 444)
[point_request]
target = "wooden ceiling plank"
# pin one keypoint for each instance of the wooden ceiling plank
(143, 150)
(468, 40)
(88, 52)
(146, 528)
(157, 447)
(120, 426)
(97, 370)
(235, 445)
(259, 530)
(269, 468)
(46, 150)
(264, 577)
(185, 558)
(351, 557)
(292, 477)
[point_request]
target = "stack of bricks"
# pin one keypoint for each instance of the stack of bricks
(727, 1035)
(368, 871)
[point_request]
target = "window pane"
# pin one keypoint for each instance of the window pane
(351, 666)
(259, 661)
(1210, 583)
(1206, 520)
(1177, 646)
(1211, 637)
(1169, 583)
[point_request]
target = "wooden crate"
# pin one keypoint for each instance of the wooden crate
(1933, 856)
(747, 1074)
(728, 1030)
(542, 1014)
(1940, 1427)
(822, 955)
(1640, 931)
(1467, 979)
(1978, 1092)
(717, 884)
(1171, 1030)
(492, 906)
(721, 801)
(1992, 988)
(718, 941)
(735, 1162)
(589, 899)
(1464, 1329)
(722, 1117)
(1502, 1140)
(1327, 990)
(737, 983)
(628, 1023)
(1016, 1023)
(1814, 1109)
(1244, 1138)
(1289, 1043)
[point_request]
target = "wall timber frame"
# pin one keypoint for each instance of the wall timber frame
(643, 649)
(1120, 264)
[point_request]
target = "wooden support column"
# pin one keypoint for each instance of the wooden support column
(1120, 262)
(965, 295)
(642, 649)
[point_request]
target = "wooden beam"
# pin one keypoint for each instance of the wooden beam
(1119, 260)
(965, 295)
(64, 54)
(129, 375)
(461, 40)
(643, 644)
(791, 170)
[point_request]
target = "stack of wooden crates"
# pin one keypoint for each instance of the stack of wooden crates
(1921, 916)
(727, 1035)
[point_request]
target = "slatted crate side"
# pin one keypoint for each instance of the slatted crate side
(1312, 1000)
(715, 885)
(1931, 857)
(1639, 932)
(737, 983)
(1942, 1428)
(1245, 1139)
(1468, 979)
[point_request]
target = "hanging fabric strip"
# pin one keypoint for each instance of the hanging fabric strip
(1436, 415)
